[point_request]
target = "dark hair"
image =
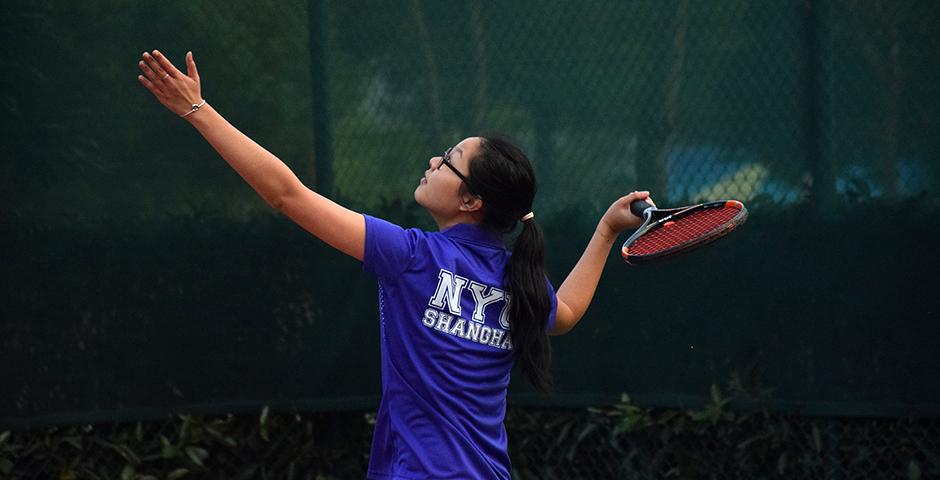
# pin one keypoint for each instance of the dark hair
(503, 177)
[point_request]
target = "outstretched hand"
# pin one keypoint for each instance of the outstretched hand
(619, 217)
(175, 90)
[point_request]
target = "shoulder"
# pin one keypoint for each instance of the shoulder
(389, 248)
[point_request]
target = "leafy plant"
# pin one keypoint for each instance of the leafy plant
(730, 435)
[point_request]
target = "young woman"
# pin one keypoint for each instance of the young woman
(457, 309)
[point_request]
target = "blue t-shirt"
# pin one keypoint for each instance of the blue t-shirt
(446, 352)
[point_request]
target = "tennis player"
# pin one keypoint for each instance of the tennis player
(456, 308)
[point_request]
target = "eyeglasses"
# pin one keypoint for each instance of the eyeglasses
(445, 160)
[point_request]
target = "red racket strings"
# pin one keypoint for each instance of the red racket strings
(684, 230)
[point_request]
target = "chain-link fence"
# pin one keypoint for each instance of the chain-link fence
(623, 442)
(772, 103)
(143, 276)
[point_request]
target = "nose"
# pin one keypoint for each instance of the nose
(433, 161)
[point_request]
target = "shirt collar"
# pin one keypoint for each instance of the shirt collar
(474, 233)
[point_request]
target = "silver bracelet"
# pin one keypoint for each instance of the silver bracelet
(196, 106)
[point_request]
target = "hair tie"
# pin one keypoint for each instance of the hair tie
(528, 216)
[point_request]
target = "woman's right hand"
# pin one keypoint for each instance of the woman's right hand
(175, 90)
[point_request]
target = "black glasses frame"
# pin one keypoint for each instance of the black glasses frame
(445, 160)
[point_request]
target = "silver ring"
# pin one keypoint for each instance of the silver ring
(164, 76)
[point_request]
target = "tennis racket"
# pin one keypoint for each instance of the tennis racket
(670, 232)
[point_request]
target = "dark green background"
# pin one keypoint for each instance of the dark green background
(141, 275)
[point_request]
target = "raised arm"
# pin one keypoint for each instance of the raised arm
(578, 289)
(181, 93)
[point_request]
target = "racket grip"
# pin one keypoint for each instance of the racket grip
(638, 207)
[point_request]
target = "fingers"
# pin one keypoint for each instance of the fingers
(166, 65)
(148, 85)
(634, 196)
(191, 66)
(151, 75)
(625, 202)
(642, 195)
(158, 72)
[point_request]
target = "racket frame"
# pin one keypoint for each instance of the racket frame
(654, 218)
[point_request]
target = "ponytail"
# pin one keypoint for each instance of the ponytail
(505, 180)
(530, 306)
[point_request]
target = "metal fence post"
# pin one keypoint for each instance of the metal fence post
(322, 136)
(817, 163)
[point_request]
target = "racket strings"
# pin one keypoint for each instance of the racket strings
(683, 230)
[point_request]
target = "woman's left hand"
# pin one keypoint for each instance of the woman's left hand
(619, 217)
(175, 90)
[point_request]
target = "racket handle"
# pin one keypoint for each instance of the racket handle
(638, 207)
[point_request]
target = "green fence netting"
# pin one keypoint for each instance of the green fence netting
(141, 276)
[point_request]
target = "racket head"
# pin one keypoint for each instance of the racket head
(668, 233)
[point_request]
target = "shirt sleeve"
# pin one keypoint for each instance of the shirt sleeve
(389, 248)
(554, 310)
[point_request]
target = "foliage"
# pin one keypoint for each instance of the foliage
(729, 436)
(732, 435)
(318, 446)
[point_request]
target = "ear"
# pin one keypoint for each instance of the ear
(470, 202)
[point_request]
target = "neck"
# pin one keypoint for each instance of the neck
(462, 217)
